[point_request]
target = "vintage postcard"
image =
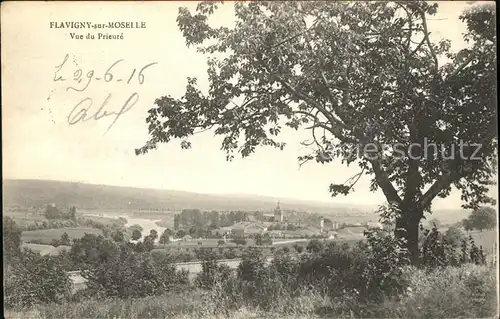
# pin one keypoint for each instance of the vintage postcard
(253, 159)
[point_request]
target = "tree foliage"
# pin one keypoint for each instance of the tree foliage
(454, 236)
(11, 239)
(136, 234)
(130, 274)
(34, 279)
(482, 218)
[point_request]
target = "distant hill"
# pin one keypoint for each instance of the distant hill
(39, 193)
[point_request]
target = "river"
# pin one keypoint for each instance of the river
(146, 224)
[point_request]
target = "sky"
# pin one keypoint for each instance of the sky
(39, 143)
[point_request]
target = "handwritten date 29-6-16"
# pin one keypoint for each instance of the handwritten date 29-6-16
(80, 112)
(83, 79)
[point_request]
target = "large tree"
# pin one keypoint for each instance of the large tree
(363, 78)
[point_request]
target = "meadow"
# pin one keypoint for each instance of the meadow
(25, 217)
(46, 236)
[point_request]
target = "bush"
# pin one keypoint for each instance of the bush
(252, 266)
(385, 256)
(454, 236)
(440, 250)
(239, 241)
(11, 239)
(211, 272)
(468, 291)
(229, 253)
(144, 276)
(314, 246)
(91, 249)
(298, 248)
(285, 268)
(32, 279)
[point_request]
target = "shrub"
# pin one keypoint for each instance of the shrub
(333, 269)
(229, 253)
(252, 265)
(439, 251)
(285, 268)
(385, 256)
(298, 248)
(92, 249)
(144, 276)
(211, 272)
(468, 291)
(240, 241)
(314, 246)
(32, 279)
(454, 236)
(11, 239)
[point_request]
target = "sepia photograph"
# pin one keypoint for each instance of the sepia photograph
(249, 159)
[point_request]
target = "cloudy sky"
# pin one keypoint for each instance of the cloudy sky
(39, 143)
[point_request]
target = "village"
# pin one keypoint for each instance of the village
(280, 228)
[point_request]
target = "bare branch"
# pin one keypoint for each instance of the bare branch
(416, 49)
(304, 161)
(357, 177)
(460, 68)
(426, 37)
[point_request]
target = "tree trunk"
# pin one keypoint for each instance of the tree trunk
(407, 226)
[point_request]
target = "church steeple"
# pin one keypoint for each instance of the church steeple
(278, 215)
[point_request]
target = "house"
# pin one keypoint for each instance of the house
(238, 232)
(243, 229)
(78, 282)
(268, 218)
(221, 231)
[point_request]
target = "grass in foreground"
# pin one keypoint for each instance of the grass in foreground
(466, 292)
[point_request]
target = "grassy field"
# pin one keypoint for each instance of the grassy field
(24, 217)
(46, 236)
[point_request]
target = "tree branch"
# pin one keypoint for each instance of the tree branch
(444, 181)
(311, 102)
(460, 68)
(357, 177)
(426, 38)
(385, 184)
